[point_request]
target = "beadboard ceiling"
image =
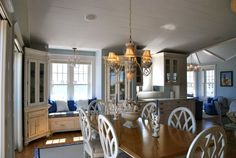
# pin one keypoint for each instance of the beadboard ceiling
(197, 24)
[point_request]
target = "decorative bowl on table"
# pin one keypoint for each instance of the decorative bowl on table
(130, 118)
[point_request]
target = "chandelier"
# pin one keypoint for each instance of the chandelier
(74, 59)
(129, 60)
(192, 66)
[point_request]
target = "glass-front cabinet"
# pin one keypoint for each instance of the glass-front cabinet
(115, 83)
(171, 71)
(36, 82)
(168, 69)
(35, 95)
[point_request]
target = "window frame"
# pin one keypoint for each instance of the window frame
(62, 58)
(194, 82)
(203, 80)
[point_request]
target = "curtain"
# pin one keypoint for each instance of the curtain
(17, 78)
(3, 41)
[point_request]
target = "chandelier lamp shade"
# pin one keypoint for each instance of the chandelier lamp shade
(129, 60)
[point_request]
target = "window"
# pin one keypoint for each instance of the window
(209, 83)
(59, 82)
(68, 82)
(191, 88)
(81, 81)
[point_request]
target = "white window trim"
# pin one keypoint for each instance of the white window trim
(203, 83)
(63, 58)
(195, 83)
(3, 35)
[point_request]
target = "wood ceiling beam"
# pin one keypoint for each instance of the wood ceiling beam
(214, 45)
(198, 60)
(211, 53)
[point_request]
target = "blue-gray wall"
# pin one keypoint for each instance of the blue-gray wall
(229, 92)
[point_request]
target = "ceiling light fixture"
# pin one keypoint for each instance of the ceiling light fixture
(74, 59)
(90, 17)
(129, 60)
(192, 66)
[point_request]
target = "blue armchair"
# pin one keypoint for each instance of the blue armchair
(209, 106)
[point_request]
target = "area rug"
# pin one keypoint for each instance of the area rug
(64, 151)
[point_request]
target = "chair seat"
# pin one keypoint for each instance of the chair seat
(96, 147)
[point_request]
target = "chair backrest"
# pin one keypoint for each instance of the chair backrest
(182, 118)
(96, 107)
(85, 125)
(108, 137)
(211, 142)
(148, 109)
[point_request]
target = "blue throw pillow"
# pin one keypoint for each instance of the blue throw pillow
(90, 100)
(71, 105)
(209, 100)
(53, 107)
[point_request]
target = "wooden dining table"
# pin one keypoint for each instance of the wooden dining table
(138, 142)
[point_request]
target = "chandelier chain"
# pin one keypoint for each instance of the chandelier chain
(130, 31)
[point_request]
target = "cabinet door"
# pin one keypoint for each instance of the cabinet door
(32, 89)
(167, 70)
(175, 71)
(42, 82)
(42, 124)
(32, 127)
(112, 87)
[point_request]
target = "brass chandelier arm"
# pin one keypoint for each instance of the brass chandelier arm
(145, 69)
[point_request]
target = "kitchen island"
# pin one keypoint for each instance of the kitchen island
(166, 105)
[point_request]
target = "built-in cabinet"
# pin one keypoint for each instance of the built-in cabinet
(170, 69)
(115, 84)
(35, 95)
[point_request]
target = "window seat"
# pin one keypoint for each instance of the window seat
(64, 121)
(63, 114)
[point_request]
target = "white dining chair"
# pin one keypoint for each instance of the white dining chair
(108, 137)
(182, 118)
(96, 107)
(92, 147)
(148, 109)
(210, 143)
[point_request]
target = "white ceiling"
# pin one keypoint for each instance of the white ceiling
(199, 23)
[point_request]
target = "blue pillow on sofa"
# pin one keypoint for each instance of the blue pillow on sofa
(71, 105)
(90, 100)
(53, 107)
(209, 99)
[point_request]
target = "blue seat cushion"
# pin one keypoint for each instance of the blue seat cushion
(53, 107)
(210, 109)
(71, 105)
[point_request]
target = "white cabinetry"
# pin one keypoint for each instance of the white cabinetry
(111, 81)
(170, 69)
(35, 95)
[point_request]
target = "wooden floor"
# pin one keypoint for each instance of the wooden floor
(73, 137)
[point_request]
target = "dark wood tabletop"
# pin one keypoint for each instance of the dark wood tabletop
(139, 142)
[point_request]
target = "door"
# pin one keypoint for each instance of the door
(32, 127)
(42, 124)
(31, 84)
(42, 83)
